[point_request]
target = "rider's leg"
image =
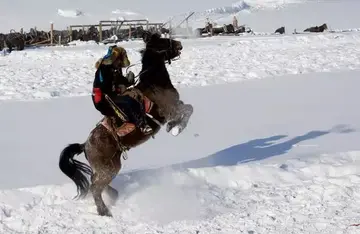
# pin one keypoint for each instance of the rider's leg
(134, 110)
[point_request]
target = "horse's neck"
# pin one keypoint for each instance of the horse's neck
(154, 76)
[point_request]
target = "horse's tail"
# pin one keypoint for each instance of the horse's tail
(74, 169)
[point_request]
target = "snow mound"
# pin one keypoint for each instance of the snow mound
(123, 12)
(126, 15)
(251, 5)
(224, 14)
(82, 43)
(70, 13)
(234, 8)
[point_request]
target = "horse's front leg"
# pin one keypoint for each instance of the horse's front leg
(181, 119)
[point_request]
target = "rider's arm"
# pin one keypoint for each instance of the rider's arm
(102, 83)
(120, 79)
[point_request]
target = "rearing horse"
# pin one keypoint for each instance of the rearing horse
(103, 148)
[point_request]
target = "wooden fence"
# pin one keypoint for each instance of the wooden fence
(58, 37)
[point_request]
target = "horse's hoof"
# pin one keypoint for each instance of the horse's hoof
(176, 130)
(171, 125)
(105, 212)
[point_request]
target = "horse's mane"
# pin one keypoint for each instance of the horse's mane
(151, 57)
(153, 69)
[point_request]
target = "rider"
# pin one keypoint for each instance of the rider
(109, 80)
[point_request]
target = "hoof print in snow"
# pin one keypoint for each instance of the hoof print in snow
(284, 167)
(55, 94)
(6, 211)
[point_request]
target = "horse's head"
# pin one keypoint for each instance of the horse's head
(168, 47)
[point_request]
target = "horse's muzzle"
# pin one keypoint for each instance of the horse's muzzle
(178, 47)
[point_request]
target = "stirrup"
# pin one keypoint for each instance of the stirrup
(146, 130)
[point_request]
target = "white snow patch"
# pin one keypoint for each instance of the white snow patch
(123, 12)
(70, 13)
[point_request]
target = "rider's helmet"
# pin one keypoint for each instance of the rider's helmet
(116, 56)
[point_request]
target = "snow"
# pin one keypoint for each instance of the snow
(272, 146)
(253, 5)
(286, 153)
(70, 13)
(267, 16)
(58, 70)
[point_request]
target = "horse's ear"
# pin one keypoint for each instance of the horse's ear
(156, 36)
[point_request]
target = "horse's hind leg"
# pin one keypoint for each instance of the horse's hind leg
(99, 182)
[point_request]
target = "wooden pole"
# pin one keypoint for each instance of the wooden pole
(52, 34)
(170, 29)
(100, 31)
(187, 26)
(70, 32)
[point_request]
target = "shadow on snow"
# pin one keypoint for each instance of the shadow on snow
(252, 150)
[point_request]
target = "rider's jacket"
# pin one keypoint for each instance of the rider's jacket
(108, 80)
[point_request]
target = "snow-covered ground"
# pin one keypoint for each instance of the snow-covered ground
(272, 146)
(277, 155)
(67, 71)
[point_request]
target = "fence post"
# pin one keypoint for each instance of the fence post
(52, 33)
(70, 33)
(100, 31)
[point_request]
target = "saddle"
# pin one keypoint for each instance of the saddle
(124, 128)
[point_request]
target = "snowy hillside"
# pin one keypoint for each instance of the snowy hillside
(268, 15)
(252, 5)
(260, 15)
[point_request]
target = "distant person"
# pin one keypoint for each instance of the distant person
(209, 26)
(235, 23)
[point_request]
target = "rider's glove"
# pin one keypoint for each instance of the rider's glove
(130, 76)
